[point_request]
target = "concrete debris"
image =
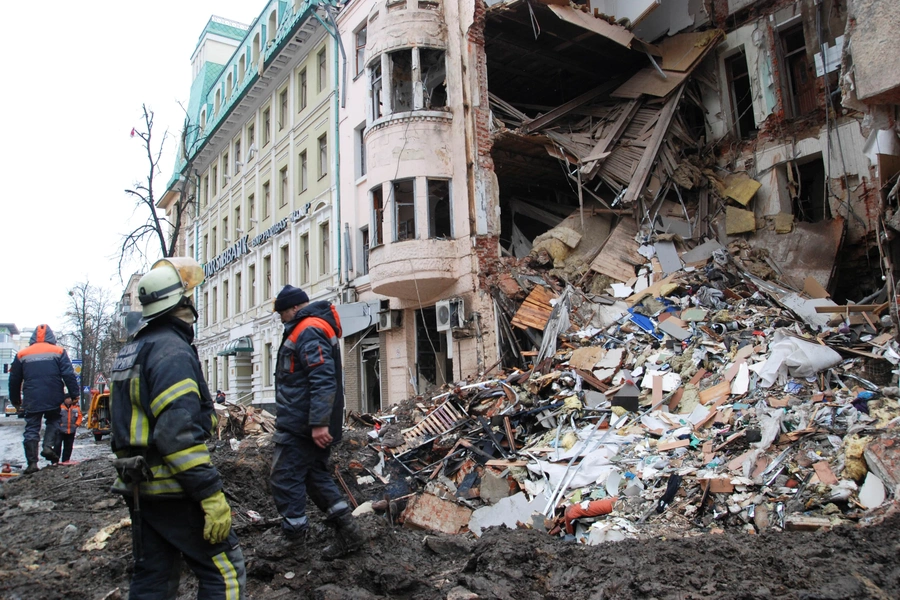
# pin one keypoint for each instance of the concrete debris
(710, 401)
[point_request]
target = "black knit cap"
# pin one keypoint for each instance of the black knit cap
(290, 296)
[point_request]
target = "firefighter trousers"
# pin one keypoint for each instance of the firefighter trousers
(172, 530)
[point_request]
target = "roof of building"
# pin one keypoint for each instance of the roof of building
(225, 27)
(10, 327)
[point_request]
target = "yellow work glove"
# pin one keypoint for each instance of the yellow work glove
(217, 515)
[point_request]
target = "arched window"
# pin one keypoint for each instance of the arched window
(273, 23)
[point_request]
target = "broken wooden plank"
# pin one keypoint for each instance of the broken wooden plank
(715, 393)
(535, 310)
(563, 109)
(658, 288)
(848, 308)
(620, 254)
(664, 446)
(602, 149)
(642, 173)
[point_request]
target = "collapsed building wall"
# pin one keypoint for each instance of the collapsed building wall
(740, 94)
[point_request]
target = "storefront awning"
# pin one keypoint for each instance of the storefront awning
(241, 344)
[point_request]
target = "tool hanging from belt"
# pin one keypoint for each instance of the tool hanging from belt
(133, 471)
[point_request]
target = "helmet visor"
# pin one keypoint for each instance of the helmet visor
(188, 269)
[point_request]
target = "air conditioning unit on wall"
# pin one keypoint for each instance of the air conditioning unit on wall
(348, 296)
(450, 314)
(388, 319)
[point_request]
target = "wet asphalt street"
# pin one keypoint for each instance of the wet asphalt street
(12, 428)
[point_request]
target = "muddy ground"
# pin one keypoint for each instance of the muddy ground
(46, 518)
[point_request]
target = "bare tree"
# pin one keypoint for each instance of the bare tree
(159, 229)
(91, 316)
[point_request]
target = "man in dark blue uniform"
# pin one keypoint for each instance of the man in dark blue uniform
(310, 399)
(38, 373)
(162, 415)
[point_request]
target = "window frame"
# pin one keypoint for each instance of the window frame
(360, 38)
(284, 187)
(402, 228)
(303, 168)
(303, 89)
(322, 69)
(323, 155)
(325, 248)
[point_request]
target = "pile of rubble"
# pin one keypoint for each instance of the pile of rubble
(686, 395)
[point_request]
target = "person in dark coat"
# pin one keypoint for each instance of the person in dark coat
(37, 378)
(309, 396)
(162, 414)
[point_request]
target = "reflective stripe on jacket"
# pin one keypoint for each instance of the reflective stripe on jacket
(162, 410)
(69, 418)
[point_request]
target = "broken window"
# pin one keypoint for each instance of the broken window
(375, 92)
(434, 78)
(439, 220)
(433, 366)
(806, 183)
(741, 93)
(378, 215)
(401, 80)
(404, 209)
(801, 90)
(364, 250)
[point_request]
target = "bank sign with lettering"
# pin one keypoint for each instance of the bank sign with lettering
(242, 247)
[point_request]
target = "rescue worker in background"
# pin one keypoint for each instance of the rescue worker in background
(162, 411)
(38, 374)
(220, 397)
(310, 400)
(69, 422)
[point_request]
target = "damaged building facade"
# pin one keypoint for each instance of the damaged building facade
(719, 120)
(471, 137)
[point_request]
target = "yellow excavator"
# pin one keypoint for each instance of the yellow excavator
(98, 418)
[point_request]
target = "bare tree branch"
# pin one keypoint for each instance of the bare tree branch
(162, 230)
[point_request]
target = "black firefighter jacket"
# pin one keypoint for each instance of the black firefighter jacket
(309, 391)
(161, 409)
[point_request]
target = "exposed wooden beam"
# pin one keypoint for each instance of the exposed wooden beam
(642, 173)
(564, 109)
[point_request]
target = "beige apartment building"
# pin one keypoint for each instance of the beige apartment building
(262, 165)
(416, 201)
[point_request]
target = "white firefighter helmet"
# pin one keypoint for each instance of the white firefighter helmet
(168, 281)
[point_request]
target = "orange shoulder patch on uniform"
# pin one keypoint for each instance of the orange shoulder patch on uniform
(40, 348)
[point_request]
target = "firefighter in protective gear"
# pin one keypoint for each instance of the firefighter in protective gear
(162, 414)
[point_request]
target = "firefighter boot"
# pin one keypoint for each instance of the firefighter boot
(31, 456)
(347, 538)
